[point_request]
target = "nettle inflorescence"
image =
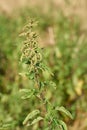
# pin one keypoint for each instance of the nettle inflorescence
(32, 56)
(30, 51)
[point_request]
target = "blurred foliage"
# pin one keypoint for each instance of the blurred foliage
(66, 58)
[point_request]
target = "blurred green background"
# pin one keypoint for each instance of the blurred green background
(65, 44)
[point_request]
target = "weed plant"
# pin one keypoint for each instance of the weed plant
(67, 64)
(47, 115)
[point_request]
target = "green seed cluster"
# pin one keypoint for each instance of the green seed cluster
(30, 50)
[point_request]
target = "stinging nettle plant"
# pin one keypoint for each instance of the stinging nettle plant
(48, 116)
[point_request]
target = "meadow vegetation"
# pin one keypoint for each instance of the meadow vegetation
(50, 73)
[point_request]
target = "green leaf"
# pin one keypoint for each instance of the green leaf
(62, 124)
(25, 90)
(6, 125)
(35, 121)
(27, 96)
(30, 116)
(31, 75)
(52, 84)
(64, 110)
(27, 93)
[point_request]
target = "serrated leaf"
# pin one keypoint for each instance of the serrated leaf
(27, 93)
(64, 110)
(6, 125)
(35, 121)
(62, 124)
(26, 96)
(30, 116)
(25, 90)
(53, 84)
(31, 75)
